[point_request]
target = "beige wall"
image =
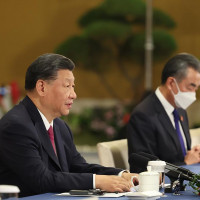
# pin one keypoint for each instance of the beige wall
(30, 28)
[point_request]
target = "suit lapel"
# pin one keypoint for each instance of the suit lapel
(44, 138)
(60, 149)
(166, 122)
(41, 130)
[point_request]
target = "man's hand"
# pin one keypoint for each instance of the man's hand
(131, 177)
(110, 183)
(196, 148)
(193, 156)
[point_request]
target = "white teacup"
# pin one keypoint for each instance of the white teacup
(9, 192)
(148, 181)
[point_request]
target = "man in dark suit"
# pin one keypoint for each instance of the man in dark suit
(152, 128)
(37, 152)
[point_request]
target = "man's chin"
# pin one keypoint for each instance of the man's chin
(65, 113)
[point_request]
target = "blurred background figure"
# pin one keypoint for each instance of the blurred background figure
(9, 96)
(3, 92)
(159, 124)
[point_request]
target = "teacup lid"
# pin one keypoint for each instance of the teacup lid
(157, 163)
(9, 189)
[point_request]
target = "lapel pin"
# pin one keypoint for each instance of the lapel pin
(181, 118)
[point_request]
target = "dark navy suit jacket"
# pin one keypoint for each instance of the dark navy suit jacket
(150, 130)
(27, 158)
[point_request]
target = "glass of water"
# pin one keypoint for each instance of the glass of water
(9, 192)
(159, 166)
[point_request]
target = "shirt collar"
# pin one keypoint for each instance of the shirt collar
(167, 106)
(46, 123)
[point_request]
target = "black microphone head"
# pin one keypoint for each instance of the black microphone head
(150, 156)
(176, 174)
(186, 171)
(138, 163)
(169, 166)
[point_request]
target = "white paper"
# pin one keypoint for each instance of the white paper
(104, 195)
(144, 194)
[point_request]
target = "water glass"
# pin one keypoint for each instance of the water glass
(9, 192)
(159, 166)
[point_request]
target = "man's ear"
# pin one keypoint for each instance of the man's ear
(41, 87)
(169, 82)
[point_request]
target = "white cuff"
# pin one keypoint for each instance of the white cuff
(120, 173)
(94, 184)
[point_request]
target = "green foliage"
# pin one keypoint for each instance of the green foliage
(162, 19)
(112, 27)
(195, 184)
(108, 30)
(80, 48)
(126, 11)
(134, 47)
(96, 14)
(73, 45)
(163, 49)
(124, 8)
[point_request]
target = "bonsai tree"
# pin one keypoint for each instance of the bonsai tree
(113, 33)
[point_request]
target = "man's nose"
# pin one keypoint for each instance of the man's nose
(73, 94)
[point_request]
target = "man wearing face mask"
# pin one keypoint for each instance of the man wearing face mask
(159, 124)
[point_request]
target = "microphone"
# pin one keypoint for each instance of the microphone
(141, 162)
(172, 174)
(138, 163)
(169, 165)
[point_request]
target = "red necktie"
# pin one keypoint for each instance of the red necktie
(51, 136)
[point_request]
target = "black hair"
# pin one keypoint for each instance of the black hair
(178, 65)
(45, 67)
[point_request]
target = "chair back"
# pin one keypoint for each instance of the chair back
(113, 154)
(195, 136)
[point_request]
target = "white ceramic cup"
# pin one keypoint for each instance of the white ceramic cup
(148, 181)
(159, 166)
(9, 192)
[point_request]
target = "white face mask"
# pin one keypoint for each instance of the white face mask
(184, 99)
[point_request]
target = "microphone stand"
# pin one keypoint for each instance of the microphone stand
(176, 185)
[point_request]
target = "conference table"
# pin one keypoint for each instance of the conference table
(184, 195)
